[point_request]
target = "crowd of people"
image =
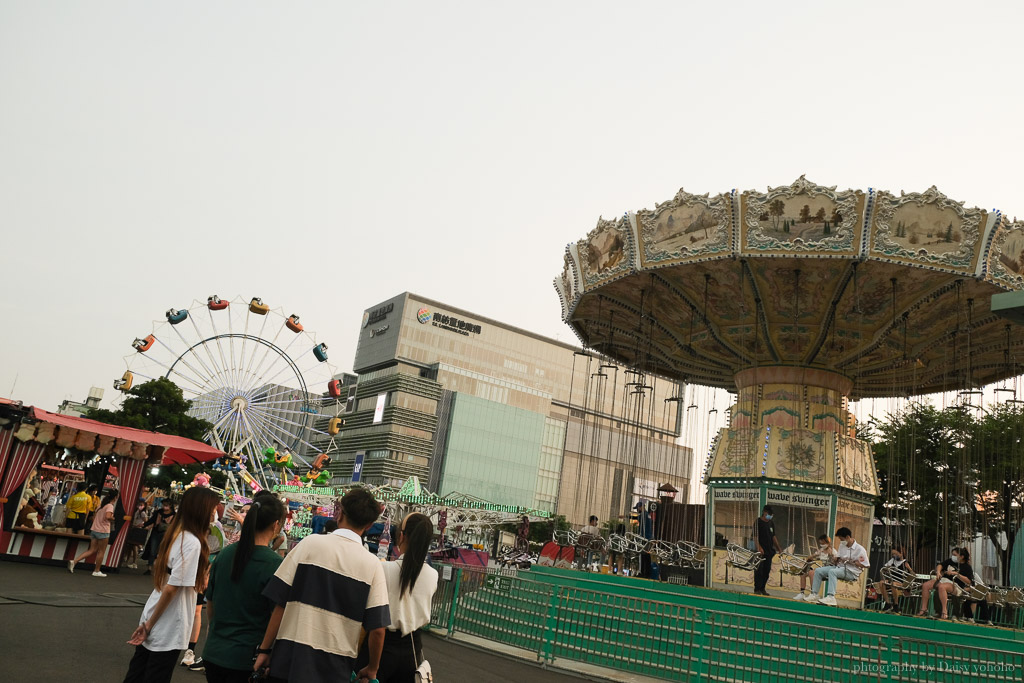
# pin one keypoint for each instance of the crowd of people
(830, 565)
(294, 618)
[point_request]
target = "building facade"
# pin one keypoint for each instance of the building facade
(471, 405)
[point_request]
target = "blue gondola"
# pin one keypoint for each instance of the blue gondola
(174, 316)
(320, 351)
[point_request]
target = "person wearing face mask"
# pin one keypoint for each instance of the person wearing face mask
(968, 609)
(851, 560)
(951, 575)
(767, 545)
(897, 560)
(826, 553)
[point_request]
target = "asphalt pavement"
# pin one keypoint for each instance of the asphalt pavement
(56, 626)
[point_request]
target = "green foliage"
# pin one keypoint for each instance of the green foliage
(954, 473)
(540, 532)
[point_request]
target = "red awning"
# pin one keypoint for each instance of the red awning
(179, 450)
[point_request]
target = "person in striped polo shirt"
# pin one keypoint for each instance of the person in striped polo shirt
(326, 589)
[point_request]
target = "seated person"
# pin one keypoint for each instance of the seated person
(851, 560)
(825, 553)
(951, 575)
(898, 560)
(984, 616)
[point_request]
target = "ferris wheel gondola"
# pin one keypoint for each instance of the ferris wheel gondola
(255, 374)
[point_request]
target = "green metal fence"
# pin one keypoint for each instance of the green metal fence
(713, 639)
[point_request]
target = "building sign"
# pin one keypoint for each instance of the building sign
(801, 500)
(741, 495)
(447, 322)
(377, 331)
(855, 509)
(378, 412)
(378, 314)
(357, 468)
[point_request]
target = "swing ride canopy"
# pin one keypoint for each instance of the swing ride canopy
(881, 294)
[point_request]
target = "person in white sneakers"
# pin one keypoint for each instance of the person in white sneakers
(826, 553)
(99, 536)
(850, 561)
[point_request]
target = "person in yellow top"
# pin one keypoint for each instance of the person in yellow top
(77, 509)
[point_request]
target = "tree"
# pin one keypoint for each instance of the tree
(805, 214)
(159, 406)
(952, 474)
(827, 230)
(820, 216)
(948, 237)
(836, 217)
(777, 209)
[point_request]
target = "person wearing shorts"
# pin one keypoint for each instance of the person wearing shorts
(99, 535)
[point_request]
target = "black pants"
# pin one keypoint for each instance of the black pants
(396, 662)
(762, 572)
(220, 674)
(151, 667)
(983, 611)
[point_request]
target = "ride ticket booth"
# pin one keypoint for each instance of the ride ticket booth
(802, 458)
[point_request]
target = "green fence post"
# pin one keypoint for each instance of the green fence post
(455, 602)
(550, 626)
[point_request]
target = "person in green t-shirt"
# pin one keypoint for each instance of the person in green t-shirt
(236, 607)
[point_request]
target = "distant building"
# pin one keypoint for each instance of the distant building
(475, 406)
(81, 409)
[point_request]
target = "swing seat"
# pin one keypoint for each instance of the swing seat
(564, 537)
(618, 544)
(895, 577)
(741, 558)
(796, 565)
(664, 552)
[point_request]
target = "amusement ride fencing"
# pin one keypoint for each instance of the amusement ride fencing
(729, 639)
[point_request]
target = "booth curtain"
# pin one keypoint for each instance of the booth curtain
(6, 437)
(130, 472)
(23, 459)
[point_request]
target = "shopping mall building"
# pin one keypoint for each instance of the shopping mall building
(474, 406)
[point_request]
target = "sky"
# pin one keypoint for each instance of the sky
(326, 156)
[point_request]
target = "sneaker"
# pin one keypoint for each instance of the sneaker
(813, 597)
(197, 665)
(71, 566)
(99, 574)
(189, 659)
(133, 566)
(829, 600)
(800, 596)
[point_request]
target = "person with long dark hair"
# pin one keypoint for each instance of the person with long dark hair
(99, 535)
(180, 571)
(237, 610)
(160, 521)
(951, 577)
(411, 585)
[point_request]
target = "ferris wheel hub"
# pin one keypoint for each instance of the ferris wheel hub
(239, 403)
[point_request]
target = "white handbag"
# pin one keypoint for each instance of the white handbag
(423, 673)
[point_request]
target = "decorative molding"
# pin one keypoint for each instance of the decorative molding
(883, 234)
(609, 260)
(717, 244)
(841, 240)
(1007, 269)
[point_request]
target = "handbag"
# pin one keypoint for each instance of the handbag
(423, 673)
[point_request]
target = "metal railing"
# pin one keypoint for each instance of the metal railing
(686, 643)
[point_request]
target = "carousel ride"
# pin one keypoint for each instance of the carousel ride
(799, 300)
(257, 375)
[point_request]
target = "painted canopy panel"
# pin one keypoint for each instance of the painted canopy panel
(890, 290)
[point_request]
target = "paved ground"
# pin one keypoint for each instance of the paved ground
(55, 626)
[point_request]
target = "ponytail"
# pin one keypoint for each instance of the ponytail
(417, 532)
(266, 509)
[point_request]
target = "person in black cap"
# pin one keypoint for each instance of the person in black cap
(767, 545)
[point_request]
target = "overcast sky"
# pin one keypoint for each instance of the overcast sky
(328, 155)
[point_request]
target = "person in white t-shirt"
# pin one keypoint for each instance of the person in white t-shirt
(851, 560)
(180, 571)
(897, 560)
(587, 534)
(825, 553)
(411, 585)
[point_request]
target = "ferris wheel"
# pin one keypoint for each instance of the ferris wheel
(257, 375)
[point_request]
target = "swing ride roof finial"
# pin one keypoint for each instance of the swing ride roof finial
(890, 292)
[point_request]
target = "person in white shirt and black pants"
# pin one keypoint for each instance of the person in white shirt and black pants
(411, 585)
(851, 560)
